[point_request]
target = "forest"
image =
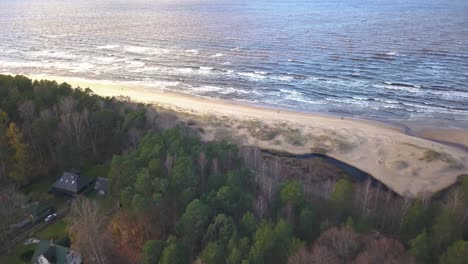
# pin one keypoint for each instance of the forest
(183, 200)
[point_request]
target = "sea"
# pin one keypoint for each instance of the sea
(376, 59)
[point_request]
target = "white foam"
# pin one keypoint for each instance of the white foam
(135, 63)
(145, 50)
(106, 60)
(261, 72)
(231, 90)
(298, 97)
(184, 70)
(252, 75)
(192, 51)
(397, 87)
(217, 55)
(20, 64)
(207, 89)
(282, 78)
(52, 54)
(108, 47)
(360, 98)
(80, 67)
(7, 51)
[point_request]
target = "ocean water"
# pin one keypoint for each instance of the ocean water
(384, 59)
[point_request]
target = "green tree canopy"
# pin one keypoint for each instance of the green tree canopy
(341, 199)
(457, 253)
(152, 251)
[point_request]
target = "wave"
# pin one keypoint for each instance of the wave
(385, 56)
(403, 84)
(252, 75)
(108, 47)
(52, 54)
(282, 78)
(135, 64)
(184, 70)
(106, 60)
(217, 55)
(394, 86)
(145, 50)
(192, 51)
(206, 89)
(7, 51)
(22, 64)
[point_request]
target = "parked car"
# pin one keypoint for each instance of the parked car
(50, 217)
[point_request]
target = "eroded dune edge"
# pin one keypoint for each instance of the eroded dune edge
(409, 165)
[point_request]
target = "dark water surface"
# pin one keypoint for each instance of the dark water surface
(385, 59)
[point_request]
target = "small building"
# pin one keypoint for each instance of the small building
(101, 185)
(47, 252)
(71, 183)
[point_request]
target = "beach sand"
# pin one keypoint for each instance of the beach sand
(409, 165)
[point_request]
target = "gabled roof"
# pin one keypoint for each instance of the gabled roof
(38, 208)
(71, 183)
(53, 253)
(101, 184)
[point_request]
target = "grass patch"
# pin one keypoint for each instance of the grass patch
(294, 137)
(430, 155)
(96, 171)
(261, 131)
(318, 150)
(55, 231)
(39, 185)
(18, 251)
(325, 142)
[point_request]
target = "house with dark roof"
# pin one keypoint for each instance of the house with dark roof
(101, 185)
(47, 252)
(71, 183)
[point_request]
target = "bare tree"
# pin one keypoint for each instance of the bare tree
(169, 163)
(405, 206)
(383, 250)
(344, 241)
(67, 105)
(46, 114)
(11, 202)
(202, 163)
(134, 136)
(318, 255)
(80, 125)
(366, 193)
(260, 205)
(27, 110)
(87, 228)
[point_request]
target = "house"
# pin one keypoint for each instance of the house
(47, 252)
(71, 183)
(101, 185)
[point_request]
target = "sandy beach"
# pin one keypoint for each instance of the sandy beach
(409, 165)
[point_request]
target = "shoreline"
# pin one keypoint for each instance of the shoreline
(397, 155)
(453, 136)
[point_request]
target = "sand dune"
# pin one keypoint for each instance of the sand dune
(409, 165)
